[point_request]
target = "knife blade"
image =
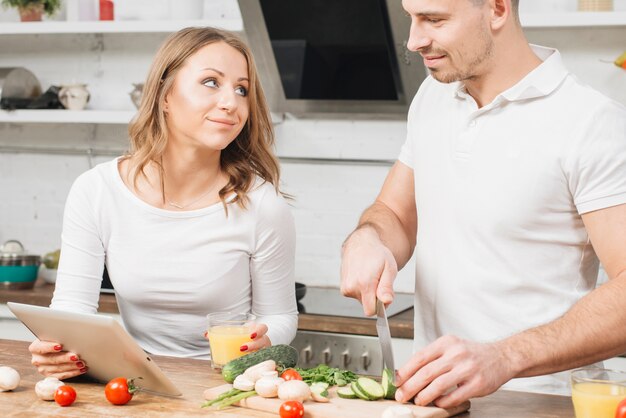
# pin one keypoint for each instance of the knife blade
(384, 337)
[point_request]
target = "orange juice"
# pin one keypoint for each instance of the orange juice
(596, 400)
(225, 341)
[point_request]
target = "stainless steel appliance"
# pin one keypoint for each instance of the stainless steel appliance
(333, 57)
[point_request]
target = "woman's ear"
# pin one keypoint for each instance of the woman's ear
(501, 12)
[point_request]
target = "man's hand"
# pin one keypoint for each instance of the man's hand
(451, 370)
(368, 269)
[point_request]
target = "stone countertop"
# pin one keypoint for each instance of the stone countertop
(401, 325)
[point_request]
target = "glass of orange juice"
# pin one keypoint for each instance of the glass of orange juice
(596, 392)
(227, 332)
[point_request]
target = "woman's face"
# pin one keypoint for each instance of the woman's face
(208, 106)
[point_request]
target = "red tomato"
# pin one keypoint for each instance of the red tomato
(620, 412)
(65, 395)
(291, 374)
(291, 409)
(119, 391)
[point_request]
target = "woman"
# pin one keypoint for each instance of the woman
(191, 220)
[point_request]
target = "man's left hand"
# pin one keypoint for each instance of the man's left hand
(451, 370)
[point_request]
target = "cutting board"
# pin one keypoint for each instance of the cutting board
(338, 407)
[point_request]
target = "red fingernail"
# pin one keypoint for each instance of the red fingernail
(243, 348)
(74, 358)
(83, 370)
(80, 364)
(58, 347)
(253, 335)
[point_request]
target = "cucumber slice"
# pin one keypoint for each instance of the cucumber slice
(322, 385)
(346, 392)
(388, 387)
(370, 388)
(358, 392)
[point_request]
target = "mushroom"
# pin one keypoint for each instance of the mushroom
(45, 388)
(9, 378)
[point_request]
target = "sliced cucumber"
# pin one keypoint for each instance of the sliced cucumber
(370, 388)
(346, 392)
(358, 392)
(388, 387)
(322, 385)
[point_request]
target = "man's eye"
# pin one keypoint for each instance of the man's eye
(242, 91)
(434, 20)
(210, 82)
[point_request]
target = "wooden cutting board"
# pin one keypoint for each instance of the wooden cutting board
(338, 407)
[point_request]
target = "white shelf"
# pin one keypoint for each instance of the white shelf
(573, 19)
(67, 116)
(128, 26)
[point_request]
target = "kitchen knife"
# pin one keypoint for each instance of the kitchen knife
(384, 337)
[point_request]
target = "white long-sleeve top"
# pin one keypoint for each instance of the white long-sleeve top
(170, 269)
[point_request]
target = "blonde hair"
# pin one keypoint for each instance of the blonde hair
(248, 156)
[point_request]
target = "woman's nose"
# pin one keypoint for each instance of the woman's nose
(227, 100)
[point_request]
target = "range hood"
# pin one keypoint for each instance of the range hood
(333, 57)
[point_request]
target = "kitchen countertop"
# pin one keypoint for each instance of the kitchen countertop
(192, 377)
(401, 325)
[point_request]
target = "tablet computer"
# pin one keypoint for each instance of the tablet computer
(100, 341)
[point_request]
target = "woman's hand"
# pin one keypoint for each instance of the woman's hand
(51, 360)
(259, 339)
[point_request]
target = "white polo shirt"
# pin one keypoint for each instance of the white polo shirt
(501, 246)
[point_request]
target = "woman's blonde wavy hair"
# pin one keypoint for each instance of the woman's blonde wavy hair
(248, 156)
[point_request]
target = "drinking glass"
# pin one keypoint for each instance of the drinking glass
(596, 392)
(227, 332)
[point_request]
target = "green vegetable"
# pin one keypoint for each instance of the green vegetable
(326, 374)
(285, 356)
(388, 387)
(51, 260)
(346, 393)
(370, 388)
(358, 392)
(224, 395)
(227, 400)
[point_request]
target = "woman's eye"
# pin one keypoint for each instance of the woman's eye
(210, 83)
(242, 91)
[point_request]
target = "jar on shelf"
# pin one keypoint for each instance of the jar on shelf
(106, 10)
(595, 5)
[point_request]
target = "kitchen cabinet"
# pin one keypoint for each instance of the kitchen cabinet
(573, 19)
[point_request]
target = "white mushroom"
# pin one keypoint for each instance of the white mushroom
(397, 411)
(9, 378)
(45, 388)
(294, 390)
(254, 373)
(243, 383)
(267, 385)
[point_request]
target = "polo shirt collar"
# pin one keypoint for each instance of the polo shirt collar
(540, 82)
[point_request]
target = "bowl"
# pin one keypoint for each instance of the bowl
(48, 275)
(18, 270)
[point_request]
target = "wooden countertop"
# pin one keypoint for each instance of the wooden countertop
(401, 325)
(193, 376)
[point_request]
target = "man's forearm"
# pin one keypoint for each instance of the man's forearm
(399, 238)
(591, 331)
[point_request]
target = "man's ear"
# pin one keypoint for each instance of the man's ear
(500, 12)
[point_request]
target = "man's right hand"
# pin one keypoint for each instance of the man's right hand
(51, 360)
(368, 269)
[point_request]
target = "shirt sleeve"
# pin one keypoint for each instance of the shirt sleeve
(81, 264)
(596, 170)
(272, 269)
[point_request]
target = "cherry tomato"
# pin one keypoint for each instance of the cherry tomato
(65, 395)
(291, 409)
(620, 412)
(291, 374)
(119, 391)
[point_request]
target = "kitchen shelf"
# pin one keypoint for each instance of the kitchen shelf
(67, 116)
(124, 26)
(573, 19)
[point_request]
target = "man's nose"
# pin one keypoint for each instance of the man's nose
(417, 39)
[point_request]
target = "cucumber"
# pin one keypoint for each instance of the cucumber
(284, 355)
(358, 392)
(388, 387)
(346, 393)
(370, 388)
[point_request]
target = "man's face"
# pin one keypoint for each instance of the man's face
(453, 36)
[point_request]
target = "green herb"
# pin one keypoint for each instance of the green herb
(49, 6)
(330, 375)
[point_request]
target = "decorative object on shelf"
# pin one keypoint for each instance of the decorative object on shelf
(74, 96)
(49, 266)
(595, 5)
(32, 10)
(106, 10)
(18, 88)
(621, 61)
(135, 95)
(18, 270)
(48, 100)
(187, 9)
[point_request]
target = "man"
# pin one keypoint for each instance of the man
(510, 186)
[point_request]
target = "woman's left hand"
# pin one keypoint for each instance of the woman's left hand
(258, 338)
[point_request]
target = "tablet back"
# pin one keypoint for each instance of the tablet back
(98, 340)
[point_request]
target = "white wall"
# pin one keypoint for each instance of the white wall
(329, 197)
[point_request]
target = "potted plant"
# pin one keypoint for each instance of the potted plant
(32, 10)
